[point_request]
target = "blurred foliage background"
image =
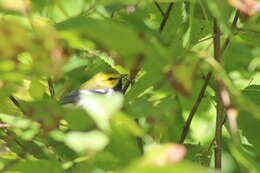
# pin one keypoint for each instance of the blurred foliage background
(193, 67)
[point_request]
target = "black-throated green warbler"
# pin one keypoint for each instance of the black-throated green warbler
(101, 83)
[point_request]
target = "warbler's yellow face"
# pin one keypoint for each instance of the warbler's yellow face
(102, 80)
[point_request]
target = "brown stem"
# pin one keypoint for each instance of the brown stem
(159, 8)
(166, 16)
(213, 140)
(187, 124)
(216, 41)
(218, 131)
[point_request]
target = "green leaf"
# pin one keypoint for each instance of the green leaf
(245, 159)
(185, 167)
(237, 55)
(222, 12)
(140, 107)
(118, 145)
(86, 141)
(17, 122)
(37, 111)
(125, 122)
(42, 166)
(56, 141)
(248, 123)
(168, 120)
(111, 35)
(77, 119)
(182, 75)
(250, 37)
(114, 34)
(36, 89)
(173, 29)
(144, 82)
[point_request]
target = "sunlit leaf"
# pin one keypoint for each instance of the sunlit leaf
(86, 141)
(42, 166)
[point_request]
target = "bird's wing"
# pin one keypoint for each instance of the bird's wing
(75, 96)
(72, 97)
(98, 91)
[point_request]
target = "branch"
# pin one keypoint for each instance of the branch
(203, 89)
(159, 8)
(166, 16)
(187, 124)
(51, 88)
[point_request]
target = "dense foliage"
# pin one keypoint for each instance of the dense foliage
(190, 103)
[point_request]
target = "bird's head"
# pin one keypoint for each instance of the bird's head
(102, 80)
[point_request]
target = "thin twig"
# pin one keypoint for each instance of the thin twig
(206, 39)
(226, 43)
(159, 8)
(166, 16)
(16, 103)
(51, 88)
(194, 109)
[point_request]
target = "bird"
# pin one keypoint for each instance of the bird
(101, 83)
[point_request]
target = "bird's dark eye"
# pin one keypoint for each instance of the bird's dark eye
(112, 78)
